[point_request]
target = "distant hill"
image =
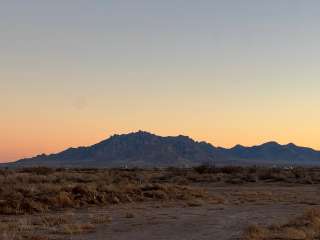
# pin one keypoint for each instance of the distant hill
(143, 149)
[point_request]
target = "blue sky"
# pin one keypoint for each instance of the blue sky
(74, 72)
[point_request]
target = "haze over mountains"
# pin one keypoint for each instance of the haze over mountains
(143, 149)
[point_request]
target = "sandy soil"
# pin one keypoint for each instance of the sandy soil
(245, 205)
(204, 222)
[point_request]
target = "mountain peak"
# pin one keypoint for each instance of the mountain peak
(291, 145)
(238, 146)
(142, 132)
(271, 144)
(139, 134)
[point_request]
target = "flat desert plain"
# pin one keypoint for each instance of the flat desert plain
(204, 202)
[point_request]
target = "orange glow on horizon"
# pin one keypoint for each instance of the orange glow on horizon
(29, 147)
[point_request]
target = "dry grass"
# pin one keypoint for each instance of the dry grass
(72, 229)
(19, 229)
(39, 190)
(100, 219)
(49, 226)
(306, 227)
(42, 192)
(36, 190)
(48, 194)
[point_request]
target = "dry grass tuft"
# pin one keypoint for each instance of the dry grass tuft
(72, 229)
(100, 219)
(306, 227)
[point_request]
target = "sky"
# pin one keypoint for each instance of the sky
(74, 72)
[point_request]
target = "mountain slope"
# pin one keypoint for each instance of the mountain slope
(134, 149)
(272, 152)
(144, 149)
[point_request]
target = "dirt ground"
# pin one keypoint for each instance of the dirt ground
(245, 205)
(231, 209)
(204, 222)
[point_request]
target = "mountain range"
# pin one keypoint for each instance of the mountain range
(143, 149)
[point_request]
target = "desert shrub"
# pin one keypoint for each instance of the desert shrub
(38, 170)
(255, 232)
(273, 174)
(202, 169)
(232, 169)
(42, 189)
(211, 169)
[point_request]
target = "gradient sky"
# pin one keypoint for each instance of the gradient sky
(225, 71)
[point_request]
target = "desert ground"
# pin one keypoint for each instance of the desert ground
(204, 202)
